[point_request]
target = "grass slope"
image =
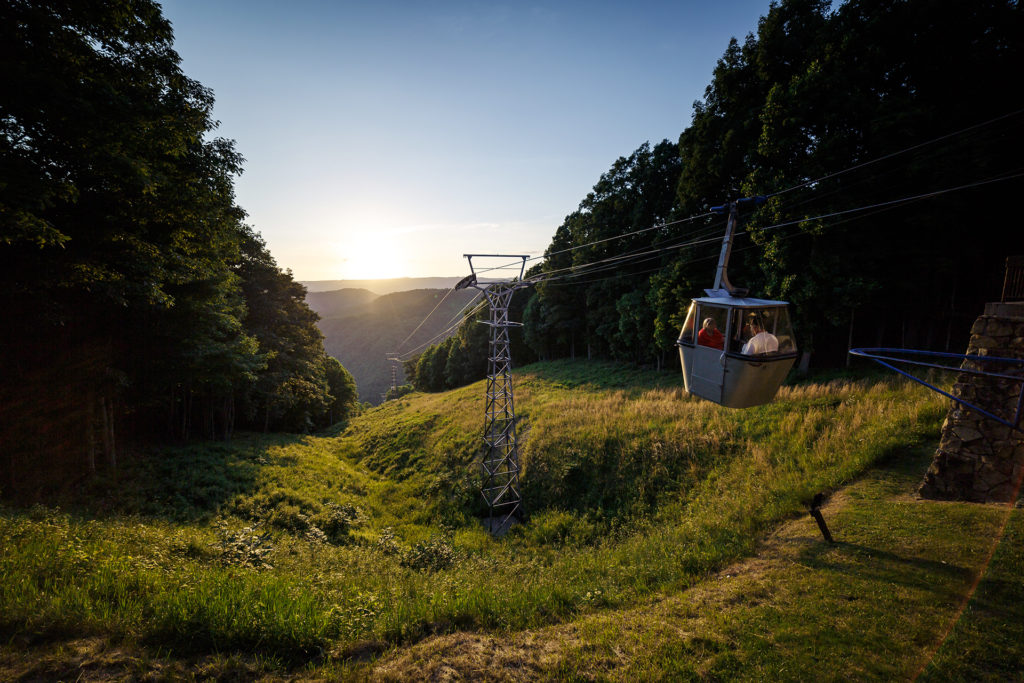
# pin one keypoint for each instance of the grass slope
(877, 605)
(281, 555)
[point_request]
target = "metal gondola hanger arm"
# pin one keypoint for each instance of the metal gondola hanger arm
(722, 286)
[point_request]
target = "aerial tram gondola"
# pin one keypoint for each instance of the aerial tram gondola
(735, 350)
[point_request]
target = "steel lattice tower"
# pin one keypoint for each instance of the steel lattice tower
(500, 485)
(393, 357)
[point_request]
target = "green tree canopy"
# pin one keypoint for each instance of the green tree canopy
(127, 262)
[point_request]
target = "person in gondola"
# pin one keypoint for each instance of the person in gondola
(762, 341)
(710, 335)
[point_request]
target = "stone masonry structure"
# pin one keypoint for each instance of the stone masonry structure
(979, 459)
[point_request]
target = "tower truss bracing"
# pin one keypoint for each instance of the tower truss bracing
(394, 360)
(500, 462)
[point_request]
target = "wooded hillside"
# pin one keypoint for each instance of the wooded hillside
(360, 329)
(135, 303)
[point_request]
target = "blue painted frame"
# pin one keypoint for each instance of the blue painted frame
(881, 355)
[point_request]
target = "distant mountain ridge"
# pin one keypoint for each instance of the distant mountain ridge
(360, 328)
(386, 286)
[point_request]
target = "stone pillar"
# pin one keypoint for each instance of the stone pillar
(979, 459)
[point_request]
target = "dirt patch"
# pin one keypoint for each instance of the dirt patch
(99, 658)
(602, 644)
(519, 656)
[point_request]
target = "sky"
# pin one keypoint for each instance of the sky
(387, 139)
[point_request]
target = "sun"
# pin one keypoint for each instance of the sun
(373, 255)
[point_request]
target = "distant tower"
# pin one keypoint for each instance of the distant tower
(393, 357)
(500, 486)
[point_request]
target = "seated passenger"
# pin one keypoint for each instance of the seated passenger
(709, 335)
(762, 342)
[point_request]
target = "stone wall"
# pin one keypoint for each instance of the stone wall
(979, 459)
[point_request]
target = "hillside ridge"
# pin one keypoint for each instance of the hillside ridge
(382, 286)
(360, 328)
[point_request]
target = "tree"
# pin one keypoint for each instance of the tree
(615, 220)
(127, 264)
(294, 392)
(344, 396)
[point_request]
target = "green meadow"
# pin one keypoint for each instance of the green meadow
(359, 554)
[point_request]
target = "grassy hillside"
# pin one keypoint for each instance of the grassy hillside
(341, 302)
(357, 554)
(361, 328)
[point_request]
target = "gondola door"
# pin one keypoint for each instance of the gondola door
(707, 378)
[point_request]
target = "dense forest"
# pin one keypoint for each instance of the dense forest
(888, 140)
(136, 305)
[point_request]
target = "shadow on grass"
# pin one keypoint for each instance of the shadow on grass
(594, 374)
(179, 483)
(874, 564)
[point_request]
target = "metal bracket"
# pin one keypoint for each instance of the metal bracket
(876, 355)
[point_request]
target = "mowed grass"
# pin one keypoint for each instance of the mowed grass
(887, 601)
(321, 551)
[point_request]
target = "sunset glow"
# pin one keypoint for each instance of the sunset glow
(372, 255)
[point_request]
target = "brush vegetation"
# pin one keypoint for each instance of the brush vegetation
(320, 550)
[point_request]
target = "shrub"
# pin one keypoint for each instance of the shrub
(289, 518)
(337, 521)
(243, 548)
(433, 555)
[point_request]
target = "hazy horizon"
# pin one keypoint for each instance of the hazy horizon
(382, 286)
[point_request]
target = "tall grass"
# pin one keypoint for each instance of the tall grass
(631, 489)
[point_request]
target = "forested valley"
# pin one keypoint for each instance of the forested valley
(136, 305)
(888, 142)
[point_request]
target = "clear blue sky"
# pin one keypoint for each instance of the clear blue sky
(387, 139)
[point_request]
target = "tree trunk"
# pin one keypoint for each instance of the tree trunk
(109, 451)
(229, 418)
(91, 434)
(186, 410)
(849, 339)
(171, 412)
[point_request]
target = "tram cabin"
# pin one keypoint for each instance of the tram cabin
(736, 351)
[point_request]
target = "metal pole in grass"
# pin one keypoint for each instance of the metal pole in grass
(816, 513)
(500, 486)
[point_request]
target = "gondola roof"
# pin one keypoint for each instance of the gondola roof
(739, 302)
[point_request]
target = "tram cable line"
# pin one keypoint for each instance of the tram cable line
(616, 261)
(804, 184)
(469, 303)
(441, 335)
(564, 280)
(604, 239)
(446, 294)
(559, 252)
(898, 152)
(875, 176)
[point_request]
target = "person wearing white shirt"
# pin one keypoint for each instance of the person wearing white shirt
(762, 342)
